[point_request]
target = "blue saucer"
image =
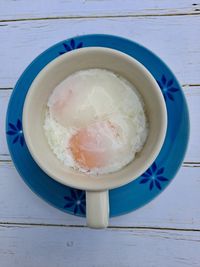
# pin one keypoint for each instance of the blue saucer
(133, 195)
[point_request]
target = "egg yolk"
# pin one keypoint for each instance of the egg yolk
(92, 146)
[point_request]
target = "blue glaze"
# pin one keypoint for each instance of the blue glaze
(70, 45)
(154, 177)
(16, 131)
(133, 195)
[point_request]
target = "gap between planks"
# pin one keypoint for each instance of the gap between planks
(5, 158)
(127, 228)
(185, 86)
(196, 12)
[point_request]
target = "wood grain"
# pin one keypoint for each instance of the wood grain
(79, 8)
(174, 208)
(4, 98)
(193, 99)
(174, 38)
(77, 247)
(32, 233)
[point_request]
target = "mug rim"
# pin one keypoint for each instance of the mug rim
(116, 182)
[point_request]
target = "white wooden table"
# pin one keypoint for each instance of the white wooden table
(165, 232)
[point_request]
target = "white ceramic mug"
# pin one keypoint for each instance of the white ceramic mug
(97, 199)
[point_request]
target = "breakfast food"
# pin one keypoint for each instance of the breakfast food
(95, 121)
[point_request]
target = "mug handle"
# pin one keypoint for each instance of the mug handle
(97, 209)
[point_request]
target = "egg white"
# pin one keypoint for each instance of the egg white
(90, 96)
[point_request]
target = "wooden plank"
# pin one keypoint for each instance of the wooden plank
(177, 207)
(193, 98)
(78, 247)
(20, 10)
(4, 98)
(22, 41)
